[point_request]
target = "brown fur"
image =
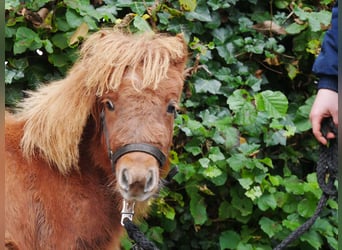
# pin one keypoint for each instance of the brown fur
(60, 191)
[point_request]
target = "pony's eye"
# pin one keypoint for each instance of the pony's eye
(171, 109)
(110, 106)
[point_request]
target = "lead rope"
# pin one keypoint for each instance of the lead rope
(326, 175)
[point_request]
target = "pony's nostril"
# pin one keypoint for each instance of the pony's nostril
(124, 180)
(149, 181)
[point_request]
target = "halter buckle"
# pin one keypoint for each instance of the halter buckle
(127, 210)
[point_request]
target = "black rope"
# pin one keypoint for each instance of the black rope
(326, 176)
(142, 243)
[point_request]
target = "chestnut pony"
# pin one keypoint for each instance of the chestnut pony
(77, 147)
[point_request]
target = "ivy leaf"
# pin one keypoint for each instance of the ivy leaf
(198, 209)
(73, 18)
(201, 14)
(274, 103)
(301, 119)
(254, 193)
(313, 238)
(188, 5)
(59, 60)
(156, 234)
(241, 103)
(316, 19)
(26, 39)
(48, 46)
(212, 172)
(270, 227)
(245, 182)
(60, 40)
(267, 201)
(295, 28)
(221, 35)
(229, 240)
(307, 206)
(215, 154)
(207, 86)
(141, 24)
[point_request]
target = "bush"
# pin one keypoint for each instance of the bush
(242, 137)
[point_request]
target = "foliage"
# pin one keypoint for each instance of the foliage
(242, 137)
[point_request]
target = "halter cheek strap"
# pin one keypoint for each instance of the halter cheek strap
(134, 147)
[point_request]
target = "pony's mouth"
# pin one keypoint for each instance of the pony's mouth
(127, 195)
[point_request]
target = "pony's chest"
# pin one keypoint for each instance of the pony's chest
(78, 212)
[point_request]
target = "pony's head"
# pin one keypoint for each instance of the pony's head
(130, 86)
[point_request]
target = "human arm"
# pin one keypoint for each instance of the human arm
(326, 68)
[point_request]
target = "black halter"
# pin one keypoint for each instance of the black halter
(128, 148)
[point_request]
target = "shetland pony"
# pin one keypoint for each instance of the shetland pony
(78, 147)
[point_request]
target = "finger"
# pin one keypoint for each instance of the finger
(321, 139)
(335, 119)
(331, 135)
(316, 130)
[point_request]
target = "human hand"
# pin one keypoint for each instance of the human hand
(325, 105)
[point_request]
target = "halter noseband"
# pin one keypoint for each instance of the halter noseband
(128, 148)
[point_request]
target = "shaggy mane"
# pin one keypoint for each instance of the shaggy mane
(56, 114)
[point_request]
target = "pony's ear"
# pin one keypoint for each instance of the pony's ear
(181, 61)
(90, 45)
(55, 118)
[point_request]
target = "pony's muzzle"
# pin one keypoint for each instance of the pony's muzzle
(137, 176)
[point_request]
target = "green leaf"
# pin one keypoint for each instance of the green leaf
(267, 201)
(295, 28)
(188, 5)
(316, 19)
(11, 4)
(301, 119)
(241, 103)
(229, 240)
(241, 203)
(48, 46)
(73, 19)
(307, 207)
(221, 35)
(60, 40)
(156, 234)
(26, 39)
(201, 14)
(212, 172)
(207, 86)
(292, 71)
(237, 162)
(245, 182)
(141, 24)
(281, 4)
(59, 60)
(215, 154)
(198, 209)
(270, 227)
(254, 193)
(168, 211)
(313, 238)
(204, 162)
(274, 103)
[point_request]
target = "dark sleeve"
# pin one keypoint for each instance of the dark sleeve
(326, 64)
